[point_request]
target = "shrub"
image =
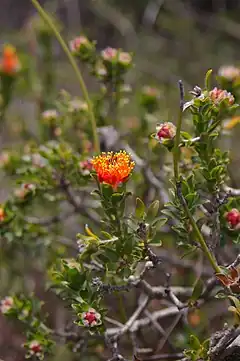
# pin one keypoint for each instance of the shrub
(150, 201)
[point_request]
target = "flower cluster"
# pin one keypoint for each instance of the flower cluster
(9, 63)
(233, 218)
(114, 55)
(115, 63)
(165, 131)
(113, 168)
(219, 95)
(6, 304)
(91, 318)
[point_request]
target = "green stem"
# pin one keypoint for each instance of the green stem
(196, 230)
(176, 149)
(72, 61)
(176, 157)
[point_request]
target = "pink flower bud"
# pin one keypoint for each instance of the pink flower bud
(109, 54)
(165, 131)
(76, 44)
(6, 304)
(219, 95)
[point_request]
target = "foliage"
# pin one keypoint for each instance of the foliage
(59, 174)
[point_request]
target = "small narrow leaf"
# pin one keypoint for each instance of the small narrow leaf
(197, 291)
(194, 342)
(159, 222)
(152, 211)
(207, 79)
(140, 208)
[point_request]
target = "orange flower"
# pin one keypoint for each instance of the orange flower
(113, 168)
(9, 63)
(2, 214)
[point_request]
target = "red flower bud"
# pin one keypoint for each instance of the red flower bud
(233, 218)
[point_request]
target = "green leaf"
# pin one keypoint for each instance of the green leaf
(221, 295)
(152, 211)
(140, 209)
(111, 255)
(207, 79)
(106, 234)
(235, 301)
(107, 191)
(159, 222)
(95, 193)
(197, 291)
(117, 197)
(194, 342)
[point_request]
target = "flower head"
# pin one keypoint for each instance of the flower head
(219, 95)
(124, 58)
(86, 166)
(230, 279)
(9, 63)
(165, 131)
(83, 48)
(35, 348)
(76, 44)
(113, 168)
(49, 115)
(38, 161)
(109, 54)
(229, 72)
(91, 318)
(76, 105)
(6, 304)
(4, 159)
(2, 214)
(150, 91)
(233, 218)
(25, 189)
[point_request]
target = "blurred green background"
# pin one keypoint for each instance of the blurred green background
(171, 40)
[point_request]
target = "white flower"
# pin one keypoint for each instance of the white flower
(6, 304)
(101, 71)
(49, 115)
(77, 105)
